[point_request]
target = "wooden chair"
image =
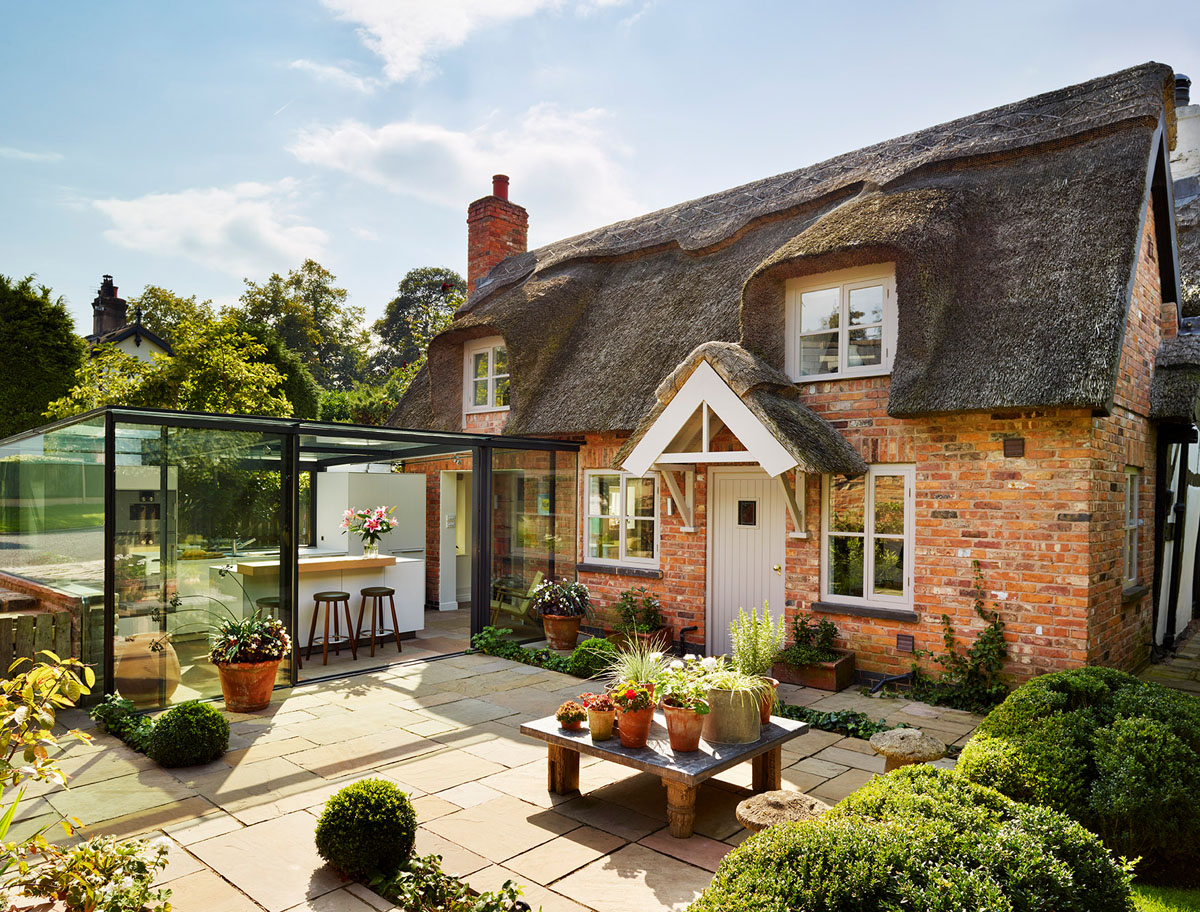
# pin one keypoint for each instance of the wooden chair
(514, 603)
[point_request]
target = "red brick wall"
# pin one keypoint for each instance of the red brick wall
(485, 422)
(496, 229)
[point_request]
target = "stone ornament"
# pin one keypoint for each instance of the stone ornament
(785, 806)
(905, 746)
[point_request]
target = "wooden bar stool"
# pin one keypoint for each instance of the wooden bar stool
(269, 606)
(377, 594)
(331, 600)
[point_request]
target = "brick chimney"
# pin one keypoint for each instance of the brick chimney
(108, 311)
(496, 230)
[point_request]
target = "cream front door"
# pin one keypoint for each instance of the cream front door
(746, 541)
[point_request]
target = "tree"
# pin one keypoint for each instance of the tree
(163, 311)
(39, 353)
(299, 385)
(311, 317)
(217, 367)
(428, 293)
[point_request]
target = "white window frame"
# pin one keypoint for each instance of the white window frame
(845, 280)
(1131, 526)
(470, 350)
(622, 560)
(869, 598)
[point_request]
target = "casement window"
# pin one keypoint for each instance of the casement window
(841, 324)
(867, 537)
(622, 519)
(485, 383)
(1132, 524)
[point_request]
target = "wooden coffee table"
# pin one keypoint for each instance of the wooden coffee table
(681, 774)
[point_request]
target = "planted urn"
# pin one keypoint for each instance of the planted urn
(561, 607)
(247, 652)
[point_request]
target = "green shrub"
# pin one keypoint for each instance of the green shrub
(421, 885)
(922, 839)
(120, 718)
(188, 734)
(367, 830)
(592, 657)
(1119, 755)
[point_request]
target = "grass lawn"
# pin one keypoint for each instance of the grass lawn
(54, 518)
(1166, 899)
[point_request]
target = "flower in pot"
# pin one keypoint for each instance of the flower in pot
(571, 715)
(600, 715)
(811, 660)
(637, 712)
(735, 699)
(247, 652)
(685, 704)
(640, 616)
(561, 608)
(370, 526)
(757, 640)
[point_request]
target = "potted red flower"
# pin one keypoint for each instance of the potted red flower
(561, 608)
(601, 713)
(637, 713)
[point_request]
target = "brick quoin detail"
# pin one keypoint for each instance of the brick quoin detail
(496, 230)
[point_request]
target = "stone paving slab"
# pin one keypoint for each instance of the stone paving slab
(635, 878)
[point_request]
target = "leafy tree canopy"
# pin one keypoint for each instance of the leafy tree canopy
(163, 311)
(299, 385)
(216, 368)
(311, 317)
(39, 353)
(425, 296)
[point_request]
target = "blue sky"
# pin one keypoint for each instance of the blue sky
(191, 145)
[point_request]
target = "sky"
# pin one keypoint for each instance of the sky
(193, 145)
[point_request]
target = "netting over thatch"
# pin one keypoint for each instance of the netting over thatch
(1014, 234)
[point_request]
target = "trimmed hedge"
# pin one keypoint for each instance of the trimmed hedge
(367, 829)
(187, 735)
(1121, 756)
(922, 839)
(592, 657)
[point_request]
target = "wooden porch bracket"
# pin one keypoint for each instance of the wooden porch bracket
(797, 510)
(683, 495)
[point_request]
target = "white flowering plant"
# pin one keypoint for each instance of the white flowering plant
(103, 874)
(252, 638)
(683, 686)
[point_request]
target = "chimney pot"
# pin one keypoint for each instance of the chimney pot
(1183, 87)
(500, 182)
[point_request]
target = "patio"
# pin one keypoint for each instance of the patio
(241, 828)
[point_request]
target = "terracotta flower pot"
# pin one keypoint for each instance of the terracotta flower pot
(768, 701)
(575, 726)
(635, 727)
(560, 630)
(247, 686)
(733, 718)
(684, 727)
(649, 687)
(601, 724)
(146, 675)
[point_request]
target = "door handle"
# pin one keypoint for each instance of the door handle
(776, 568)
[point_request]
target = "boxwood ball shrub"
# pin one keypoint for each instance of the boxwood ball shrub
(592, 657)
(1121, 756)
(922, 839)
(188, 734)
(367, 830)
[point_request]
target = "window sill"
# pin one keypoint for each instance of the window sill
(616, 570)
(830, 378)
(872, 611)
(486, 411)
(1134, 592)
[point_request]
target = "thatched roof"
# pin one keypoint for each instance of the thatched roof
(1176, 384)
(774, 400)
(1014, 232)
(1187, 215)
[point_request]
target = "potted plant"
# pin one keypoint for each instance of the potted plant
(811, 660)
(369, 525)
(756, 642)
(640, 616)
(637, 662)
(735, 701)
(685, 704)
(601, 712)
(570, 716)
(247, 652)
(562, 608)
(637, 712)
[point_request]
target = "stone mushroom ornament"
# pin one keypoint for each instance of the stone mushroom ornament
(905, 746)
(784, 806)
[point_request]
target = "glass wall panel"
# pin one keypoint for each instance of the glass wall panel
(533, 531)
(52, 526)
(199, 526)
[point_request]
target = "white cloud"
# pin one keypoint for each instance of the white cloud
(408, 34)
(336, 75)
(21, 155)
(244, 230)
(565, 168)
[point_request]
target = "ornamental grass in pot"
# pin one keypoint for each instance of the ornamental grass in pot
(247, 652)
(561, 607)
(601, 714)
(757, 640)
(735, 699)
(685, 704)
(636, 661)
(637, 713)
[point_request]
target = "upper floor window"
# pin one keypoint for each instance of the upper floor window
(622, 518)
(841, 323)
(485, 385)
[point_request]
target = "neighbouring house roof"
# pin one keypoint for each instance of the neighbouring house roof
(1187, 215)
(1014, 232)
(808, 441)
(136, 331)
(1175, 387)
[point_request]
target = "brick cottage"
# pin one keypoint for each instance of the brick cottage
(837, 389)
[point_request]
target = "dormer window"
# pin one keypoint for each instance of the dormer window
(485, 385)
(841, 324)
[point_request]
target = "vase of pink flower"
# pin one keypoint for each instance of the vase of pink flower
(369, 525)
